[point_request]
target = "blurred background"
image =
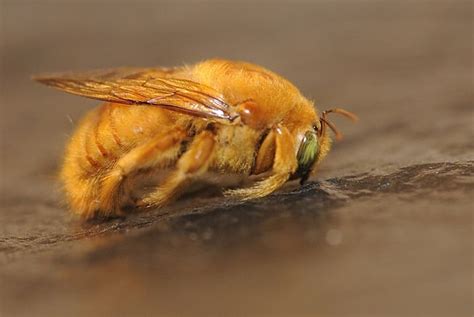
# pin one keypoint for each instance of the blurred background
(385, 229)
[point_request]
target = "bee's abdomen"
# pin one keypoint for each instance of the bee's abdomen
(82, 166)
(90, 153)
(93, 145)
(103, 136)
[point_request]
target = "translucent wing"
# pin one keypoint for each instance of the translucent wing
(159, 87)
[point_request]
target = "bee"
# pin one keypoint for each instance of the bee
(216, 115)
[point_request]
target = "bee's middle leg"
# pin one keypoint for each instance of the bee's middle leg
(284, 164)
(193, 162)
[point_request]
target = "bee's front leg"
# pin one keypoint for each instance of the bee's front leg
(193, 162)
(284, 164)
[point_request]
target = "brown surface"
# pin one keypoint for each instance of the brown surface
(386, 228)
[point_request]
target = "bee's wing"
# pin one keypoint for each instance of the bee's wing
(145, 86)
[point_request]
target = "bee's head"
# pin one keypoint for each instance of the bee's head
(315, 143)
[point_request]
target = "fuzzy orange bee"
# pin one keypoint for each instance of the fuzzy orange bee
(217, 115)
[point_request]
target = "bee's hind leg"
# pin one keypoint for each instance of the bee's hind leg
(193, 162)
(160, 149)
(284, 165)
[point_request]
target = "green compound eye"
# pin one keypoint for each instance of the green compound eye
(307, 154)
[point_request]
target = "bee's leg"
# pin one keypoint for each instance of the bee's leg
(193, 162)
(160, 149)
(284, 165)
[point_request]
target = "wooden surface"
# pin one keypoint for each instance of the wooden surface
(385, 229)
